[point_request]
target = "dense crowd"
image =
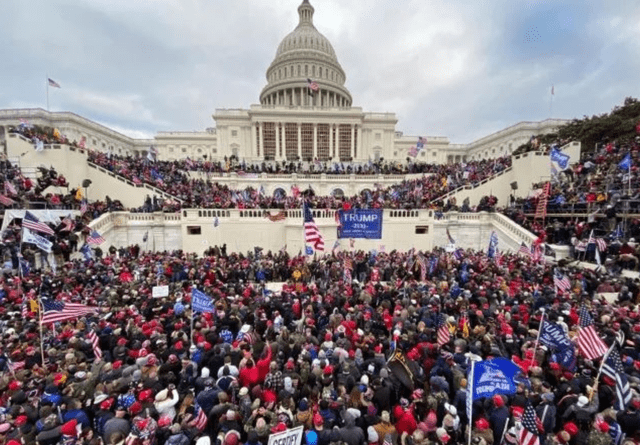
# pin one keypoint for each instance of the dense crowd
(313, 353)
(203, 193)
(596, 186)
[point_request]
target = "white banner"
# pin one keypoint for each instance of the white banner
(160, 291)
(289, 437)
(41, 242)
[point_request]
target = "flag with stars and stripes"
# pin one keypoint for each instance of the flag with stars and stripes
(561, 281)
(530, 434)
(589, 344)
(525, 250)
(601, 243)
(55, 310)
(200, 418)
(612, 368)
(312, 234)
(31, 222)
(95, 343)
(95, 238)
(443, 331)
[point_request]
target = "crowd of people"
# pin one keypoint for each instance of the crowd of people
(313, 353)
(600, 186)
(423, 192)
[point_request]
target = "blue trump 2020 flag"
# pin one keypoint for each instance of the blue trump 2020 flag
(495, 376)
(201, 302)
(553, 336)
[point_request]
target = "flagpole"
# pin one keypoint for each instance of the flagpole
(47, 92)
(470, 400)
(191, 330)
(535, 348)
(604, 359)
(41, 310)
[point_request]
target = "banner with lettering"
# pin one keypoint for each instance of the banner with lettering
(288, 437)
(495, 376)
(360, 223)
(553, 336)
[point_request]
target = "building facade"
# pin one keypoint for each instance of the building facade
(305, 113)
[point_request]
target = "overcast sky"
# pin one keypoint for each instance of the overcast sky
(461, 69)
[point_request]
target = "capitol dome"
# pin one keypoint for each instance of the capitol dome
(305, 56)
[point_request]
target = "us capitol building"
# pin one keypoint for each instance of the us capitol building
(293, 122)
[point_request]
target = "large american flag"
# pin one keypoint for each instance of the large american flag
(529, 432)
(55, 311)
(589, 343)
(612, 368)
(443, 331)
(31, 222)
(311, 233)
(95, 238)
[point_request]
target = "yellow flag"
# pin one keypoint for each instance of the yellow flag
(56, 133)
(33, 305)
(79, 194)
(465, 328)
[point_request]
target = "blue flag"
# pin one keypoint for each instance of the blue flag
(560, 158)
(308, 250)
(493, 245)
(625, 164)
(554, 337)
(201, 302)
(495, 376)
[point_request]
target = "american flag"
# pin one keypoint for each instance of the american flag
(95, 343)
(200, 421)
(52, 83)
(95, 238)
(313, 86)
(602, 244)
(591, 240)
(529, 433)
(348, 263)
(561, 281)
(31, 222)
(612, 368)
(55, 311)
(524, 250)
(311, 233)
(541, 209)
(589, 343)
(84, 207)
(443, 331)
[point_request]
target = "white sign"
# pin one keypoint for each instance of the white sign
(450, 248)
(160, 291)
(289, 437)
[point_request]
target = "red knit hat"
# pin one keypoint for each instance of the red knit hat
(498, 401)
(318, 419)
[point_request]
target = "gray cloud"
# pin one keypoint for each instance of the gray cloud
(460, 70)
